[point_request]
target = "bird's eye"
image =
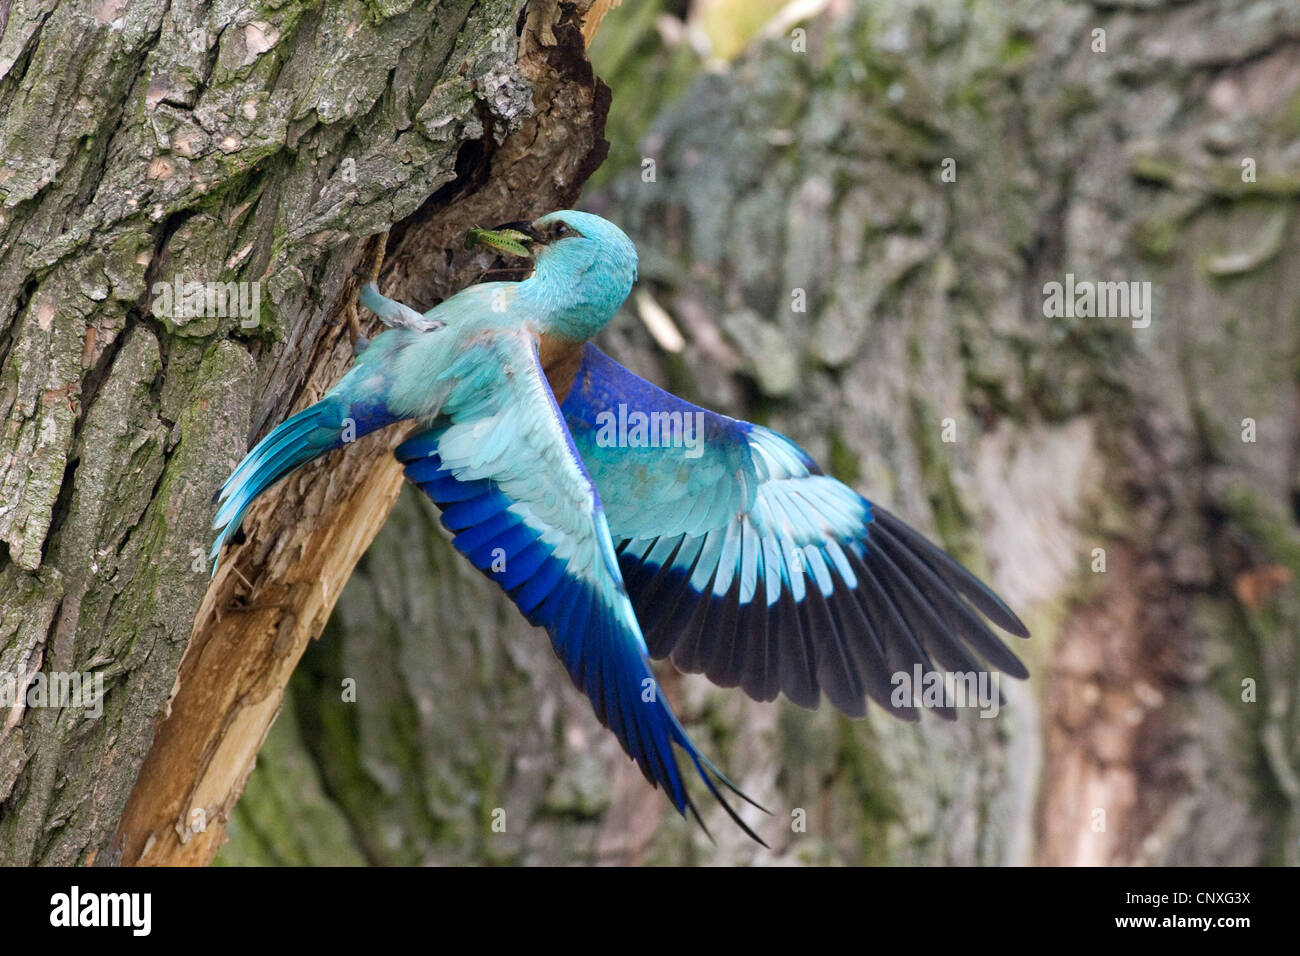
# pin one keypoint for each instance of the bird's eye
(561, 231)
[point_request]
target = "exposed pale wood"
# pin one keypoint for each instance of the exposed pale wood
(245, 645)
(591, 23)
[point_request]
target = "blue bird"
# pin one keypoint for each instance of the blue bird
(631, 524)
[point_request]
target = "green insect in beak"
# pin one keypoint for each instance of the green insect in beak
(503, 239)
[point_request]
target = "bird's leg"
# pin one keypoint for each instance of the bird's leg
(359, 341)
(394, 314)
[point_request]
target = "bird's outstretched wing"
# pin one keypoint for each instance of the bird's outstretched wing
(501, 465)
(746, 563)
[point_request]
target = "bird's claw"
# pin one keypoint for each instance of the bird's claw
(393, 314)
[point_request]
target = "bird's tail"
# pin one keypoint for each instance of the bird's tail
(329, 424)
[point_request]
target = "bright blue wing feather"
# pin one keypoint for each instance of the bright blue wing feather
(503, 468)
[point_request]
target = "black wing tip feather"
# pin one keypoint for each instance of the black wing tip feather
(707, 776)
(975, 590)
(944, 635)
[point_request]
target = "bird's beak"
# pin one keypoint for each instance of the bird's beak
(509, 237)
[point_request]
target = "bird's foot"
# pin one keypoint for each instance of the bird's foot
(394, 314)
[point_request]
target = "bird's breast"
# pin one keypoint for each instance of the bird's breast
(561, 358)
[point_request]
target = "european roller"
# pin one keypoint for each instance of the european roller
(631, 524)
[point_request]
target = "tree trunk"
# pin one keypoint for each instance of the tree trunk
(149, 145)
(1098, 475)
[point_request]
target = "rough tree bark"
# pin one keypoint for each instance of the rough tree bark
(272, 144)
(1136, 740)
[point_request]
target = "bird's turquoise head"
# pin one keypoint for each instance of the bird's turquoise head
(583, 268)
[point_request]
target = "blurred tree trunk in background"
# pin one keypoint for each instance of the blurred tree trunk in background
(1161, 721)
(147, 144)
